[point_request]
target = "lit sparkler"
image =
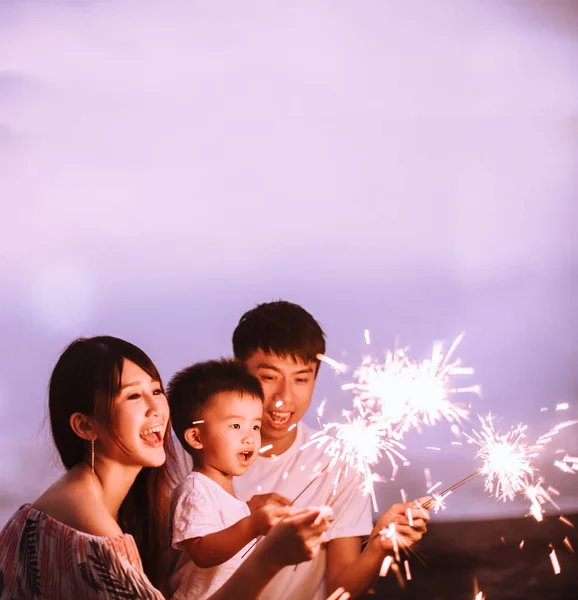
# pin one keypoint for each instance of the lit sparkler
(507, 460)
(406, 394)
(358, 445)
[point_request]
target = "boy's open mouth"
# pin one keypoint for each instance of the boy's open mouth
(245, 456)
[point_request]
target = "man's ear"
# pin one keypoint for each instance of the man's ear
(193, 438)
(82, 426)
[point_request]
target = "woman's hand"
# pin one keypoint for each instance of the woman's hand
(295, 539)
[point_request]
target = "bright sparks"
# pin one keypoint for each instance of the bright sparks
(358, 444)
(507, 460)
(406, 394)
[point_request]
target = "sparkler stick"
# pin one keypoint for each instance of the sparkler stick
(429, 503)
(291, 504)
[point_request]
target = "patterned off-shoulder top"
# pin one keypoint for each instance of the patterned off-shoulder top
(42, 558)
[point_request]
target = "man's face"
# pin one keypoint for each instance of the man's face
(288, 388)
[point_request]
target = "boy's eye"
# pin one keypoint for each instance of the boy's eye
(236, 426)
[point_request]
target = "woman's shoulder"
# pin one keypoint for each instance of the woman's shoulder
(50, 559)
(74, 504)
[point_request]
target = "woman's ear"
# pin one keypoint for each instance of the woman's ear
(82, 426)
(193, 438)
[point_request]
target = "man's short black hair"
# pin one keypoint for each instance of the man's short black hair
(191, 390)
(280, 328)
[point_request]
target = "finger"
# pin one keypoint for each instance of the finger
(325, 512)
(277, 498)
(302, 517)
(419, 513)
(339, 594)
(419, 525)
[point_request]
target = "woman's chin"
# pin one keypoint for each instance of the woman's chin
(156, 459)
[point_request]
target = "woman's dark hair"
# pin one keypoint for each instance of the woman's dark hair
(87, 379)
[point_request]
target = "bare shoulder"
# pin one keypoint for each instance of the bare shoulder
(74, 502)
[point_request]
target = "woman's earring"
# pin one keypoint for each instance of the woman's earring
(92, 459)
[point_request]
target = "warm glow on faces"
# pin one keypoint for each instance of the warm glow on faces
(140, 416)
(288, 387)
(229, 437)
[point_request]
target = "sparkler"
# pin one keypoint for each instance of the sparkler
(507, 460)
(357, 444)
(406, 394)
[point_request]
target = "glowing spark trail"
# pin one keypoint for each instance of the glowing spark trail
(357, 444)
(507, 460)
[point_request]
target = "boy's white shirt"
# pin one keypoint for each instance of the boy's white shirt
(200, 506)
(288, 474)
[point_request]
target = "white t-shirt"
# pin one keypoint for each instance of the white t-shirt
(288, 474)
(200, 506)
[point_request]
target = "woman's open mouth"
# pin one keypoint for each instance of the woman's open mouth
(153, 436)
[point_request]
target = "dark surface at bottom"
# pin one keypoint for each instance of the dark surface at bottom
(456, 555)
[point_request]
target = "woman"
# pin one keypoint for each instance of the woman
(101, 531)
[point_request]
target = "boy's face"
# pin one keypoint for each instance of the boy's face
(230, 435)
(288, 388)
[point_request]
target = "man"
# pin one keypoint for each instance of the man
(279, 343)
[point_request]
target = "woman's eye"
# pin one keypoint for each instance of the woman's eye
(134, 396)
(257, 427)
(158, 392)
(236, 426)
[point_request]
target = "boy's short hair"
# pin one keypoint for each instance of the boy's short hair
(280, 328)
(190, 390)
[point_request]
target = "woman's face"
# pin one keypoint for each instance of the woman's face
(140, 417)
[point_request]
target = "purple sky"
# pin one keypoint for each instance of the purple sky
(166, 166)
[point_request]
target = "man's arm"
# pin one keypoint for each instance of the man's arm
(350, 568)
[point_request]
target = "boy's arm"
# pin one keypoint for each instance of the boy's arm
(216, 548)
(354, 570)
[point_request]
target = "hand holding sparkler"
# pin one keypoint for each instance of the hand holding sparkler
(295, 539)
(259, 500)
(400, 526)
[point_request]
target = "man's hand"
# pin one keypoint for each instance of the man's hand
(409, 521)
(260, 500)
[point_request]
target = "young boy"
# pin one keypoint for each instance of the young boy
(216, 410)
(279, 343)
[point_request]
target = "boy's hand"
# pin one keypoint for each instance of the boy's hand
(260, 500)
(267, 516)
(410, 521)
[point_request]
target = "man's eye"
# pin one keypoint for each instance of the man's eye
(302, 380)
(267, 377)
